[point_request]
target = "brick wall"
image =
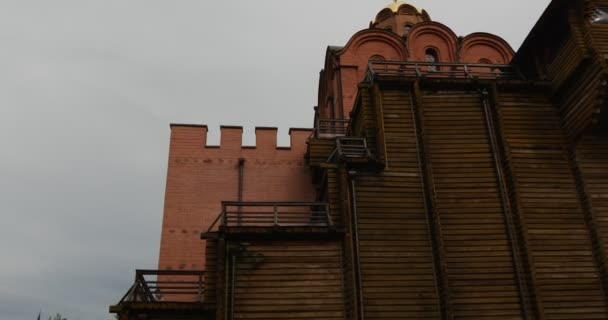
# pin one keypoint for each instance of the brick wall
(199, 177)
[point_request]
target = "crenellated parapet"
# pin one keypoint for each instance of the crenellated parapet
(194, 137)
(200, 176)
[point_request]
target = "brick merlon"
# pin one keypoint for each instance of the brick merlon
(266, 128)
(232, 127)
(300, 129)
(188, 125)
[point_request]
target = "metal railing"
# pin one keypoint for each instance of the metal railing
(440, 70)
(166, 286)
(350, 147)
(331, 128)
(273, 214)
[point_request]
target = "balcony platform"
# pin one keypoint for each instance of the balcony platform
(158, 294)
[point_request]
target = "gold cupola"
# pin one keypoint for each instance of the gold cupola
(399, 17)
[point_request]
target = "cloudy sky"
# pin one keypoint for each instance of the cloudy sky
(88, 89)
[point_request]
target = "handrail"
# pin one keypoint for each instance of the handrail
(330, 128)
(167, 286)
(439, 70)
(273, 214)
(263, 214)
(352, 147)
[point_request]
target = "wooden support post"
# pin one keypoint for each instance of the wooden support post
(521, 232)
(591, 221)
(512, 236)
(200, 288)
(428, 188)
(327, 212)
(380, 134)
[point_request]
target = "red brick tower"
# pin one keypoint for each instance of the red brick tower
(199, 176)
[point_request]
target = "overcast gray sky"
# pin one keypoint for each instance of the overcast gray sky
(88, 89)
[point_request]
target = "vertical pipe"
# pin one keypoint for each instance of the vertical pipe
(200, 288)
(505, 205)
(341, 94)
(427, 185)
(240, 194)
(276, 216)
(353, 191)
(227, 276)
(232, 284)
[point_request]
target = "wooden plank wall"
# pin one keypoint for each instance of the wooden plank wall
(211, 271)
(569, 58)
(286, 280)
(559, 241)
(395, 251)
(369, 120)
(597, 34)
(478, 253)
(319, 150)
(578, 99)
(334, 197)
(592, 159)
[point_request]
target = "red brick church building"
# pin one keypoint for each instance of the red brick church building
(445, 177)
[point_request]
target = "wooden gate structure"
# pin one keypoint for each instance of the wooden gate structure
(451, 191)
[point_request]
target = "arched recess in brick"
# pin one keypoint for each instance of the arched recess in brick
(407, 9)
(353, 59)
(432, 35)
(385, 14)
(367, 43)
(484, 46)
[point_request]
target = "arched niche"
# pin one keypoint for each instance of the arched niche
(372, 42)
(383, 15)
(354, 58)
(487, 47)
(407, 9)
(432, 35)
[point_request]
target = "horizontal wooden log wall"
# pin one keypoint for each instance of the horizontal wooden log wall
(567, 60)
(368, 120)
(211, 271)
(558, 238)
(596, 35)
(577, 68)
(578, 99)
(479, 261)
(333, 197)
(575, 75)
(591, 156)
(395, 250)
(289, 280)
(319, 150)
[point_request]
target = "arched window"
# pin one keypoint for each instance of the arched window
(485, 61)
(379, 66)
(431, 57)
(406, 29)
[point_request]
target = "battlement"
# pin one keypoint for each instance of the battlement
(200, 176)
(231, 138)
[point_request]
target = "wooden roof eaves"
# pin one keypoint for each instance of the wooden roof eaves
(539, 25)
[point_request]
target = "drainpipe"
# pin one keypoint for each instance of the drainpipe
(240, 194)
(502, 187)
(232, 285)
(355, 224)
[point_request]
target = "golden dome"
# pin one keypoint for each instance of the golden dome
(394, 6)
